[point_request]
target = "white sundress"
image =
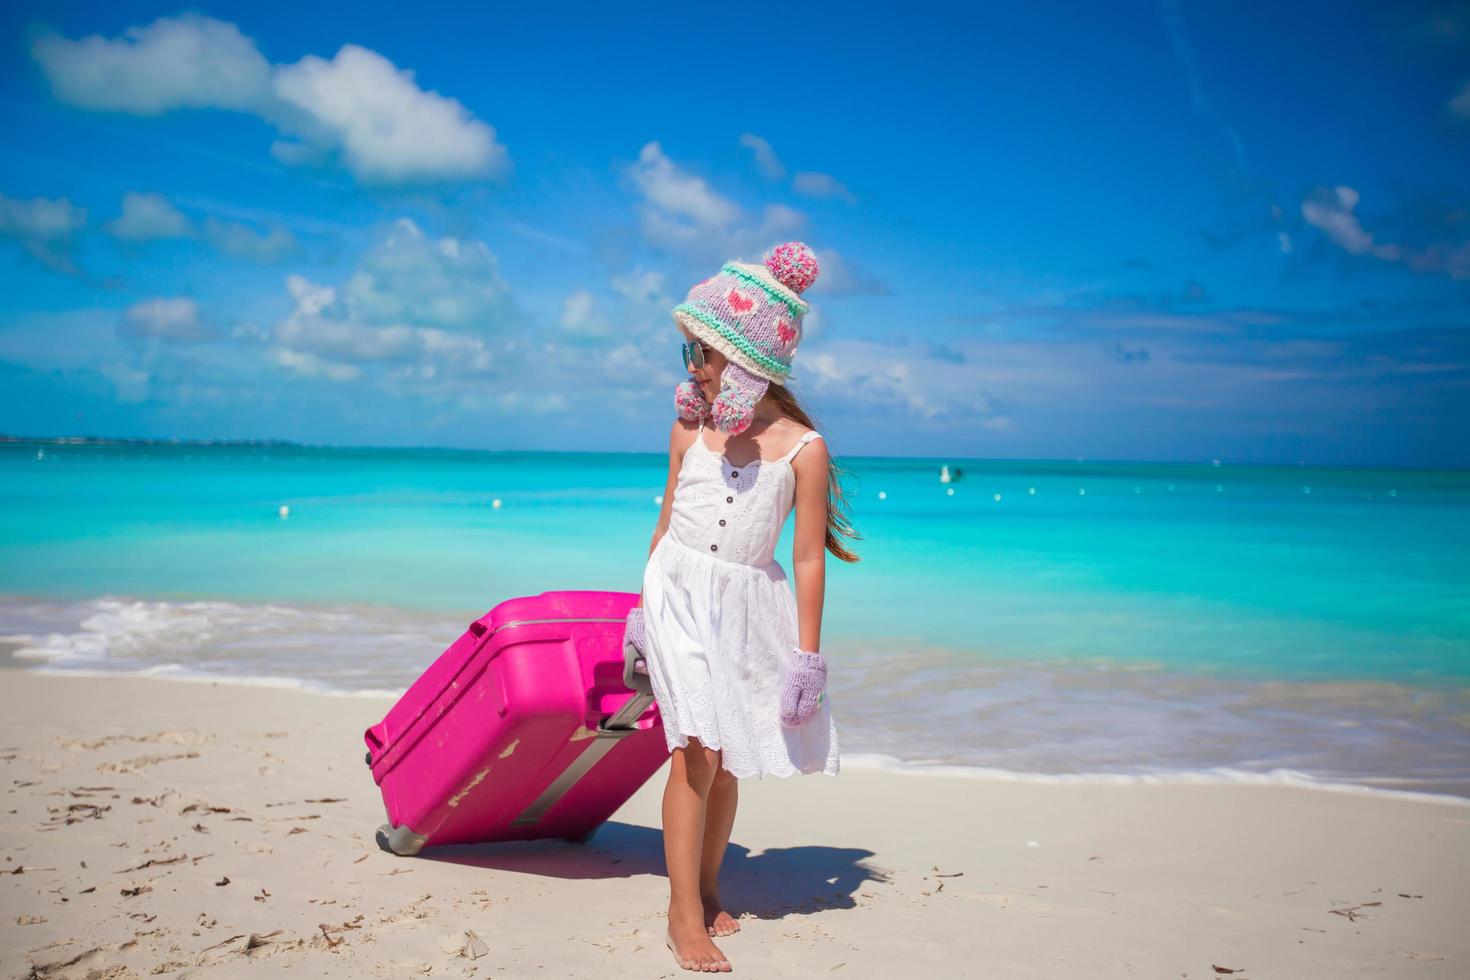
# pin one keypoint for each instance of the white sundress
(721, 622)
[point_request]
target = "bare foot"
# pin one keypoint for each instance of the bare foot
(693, 949)
(718, 922)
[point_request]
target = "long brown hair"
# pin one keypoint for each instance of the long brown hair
(837, 521)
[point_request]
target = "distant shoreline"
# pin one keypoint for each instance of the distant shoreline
(1205, 465)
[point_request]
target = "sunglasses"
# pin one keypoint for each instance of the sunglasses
(693, 355)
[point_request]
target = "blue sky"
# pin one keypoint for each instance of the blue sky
(1170, 231)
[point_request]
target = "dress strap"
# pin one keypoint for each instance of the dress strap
(806, 438)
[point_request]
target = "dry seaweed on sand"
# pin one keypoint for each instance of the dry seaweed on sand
(1353, 912)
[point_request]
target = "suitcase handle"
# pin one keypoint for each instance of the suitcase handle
(374, 744)
(610, 731)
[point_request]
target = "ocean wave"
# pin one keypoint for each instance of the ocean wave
(1221, 775)
(898, 705)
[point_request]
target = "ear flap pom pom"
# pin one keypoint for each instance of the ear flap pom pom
(690, 402)
(734, 409)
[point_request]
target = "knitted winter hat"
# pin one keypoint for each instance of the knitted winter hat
(751, 314)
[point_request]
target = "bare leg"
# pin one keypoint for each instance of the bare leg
(691, 773)
(719, 820)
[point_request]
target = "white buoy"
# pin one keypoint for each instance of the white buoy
(659, 500)
(495, 503)
(949, 491)
(882, 494)
(997, 498)
(1031, 491)
(1081, 491)
(284, 511)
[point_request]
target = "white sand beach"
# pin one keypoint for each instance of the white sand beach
(200, 829)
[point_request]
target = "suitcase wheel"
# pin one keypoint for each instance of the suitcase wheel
(400, 840)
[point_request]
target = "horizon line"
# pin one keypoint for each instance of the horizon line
(1214, 463)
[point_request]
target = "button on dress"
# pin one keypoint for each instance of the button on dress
(720, 618)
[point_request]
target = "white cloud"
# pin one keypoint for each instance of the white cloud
(636, 367)
(524, 402)
(416, 314)
(681, 201)
(642, 288)
(449, 282)
(132, 384)
(581, 319)
(1460, 104)
(1331, 210)
(387, 128)
(865, 376)
(357, 106)
(39, 218)
(814, 324)
(1444, 257)
(463, 351)
(184, 62)
(821, 367)
(875, 377)
(152, 217)
(243, 242)
(345, 340)
(310, 365)
(780, 221)
(171, 318)
(820, 185)
(577, 308)
(765, 157)
(680, 211)
(309, 297)
(148, 217)
(43, 226)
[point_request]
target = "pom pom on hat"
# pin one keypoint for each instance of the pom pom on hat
(794, 265)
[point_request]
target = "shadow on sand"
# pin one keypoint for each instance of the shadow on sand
(767, 885)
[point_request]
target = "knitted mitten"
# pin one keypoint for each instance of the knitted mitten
(690, 401)
(739, 391)
(633, 636)
(805, 683)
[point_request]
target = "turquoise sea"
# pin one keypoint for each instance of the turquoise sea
(1043, 619)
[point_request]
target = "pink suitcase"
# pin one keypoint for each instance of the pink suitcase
(532, 724)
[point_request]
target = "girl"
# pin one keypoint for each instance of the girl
(732, 656)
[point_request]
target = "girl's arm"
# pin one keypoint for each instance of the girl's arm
(679, 443)
(809, 549)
